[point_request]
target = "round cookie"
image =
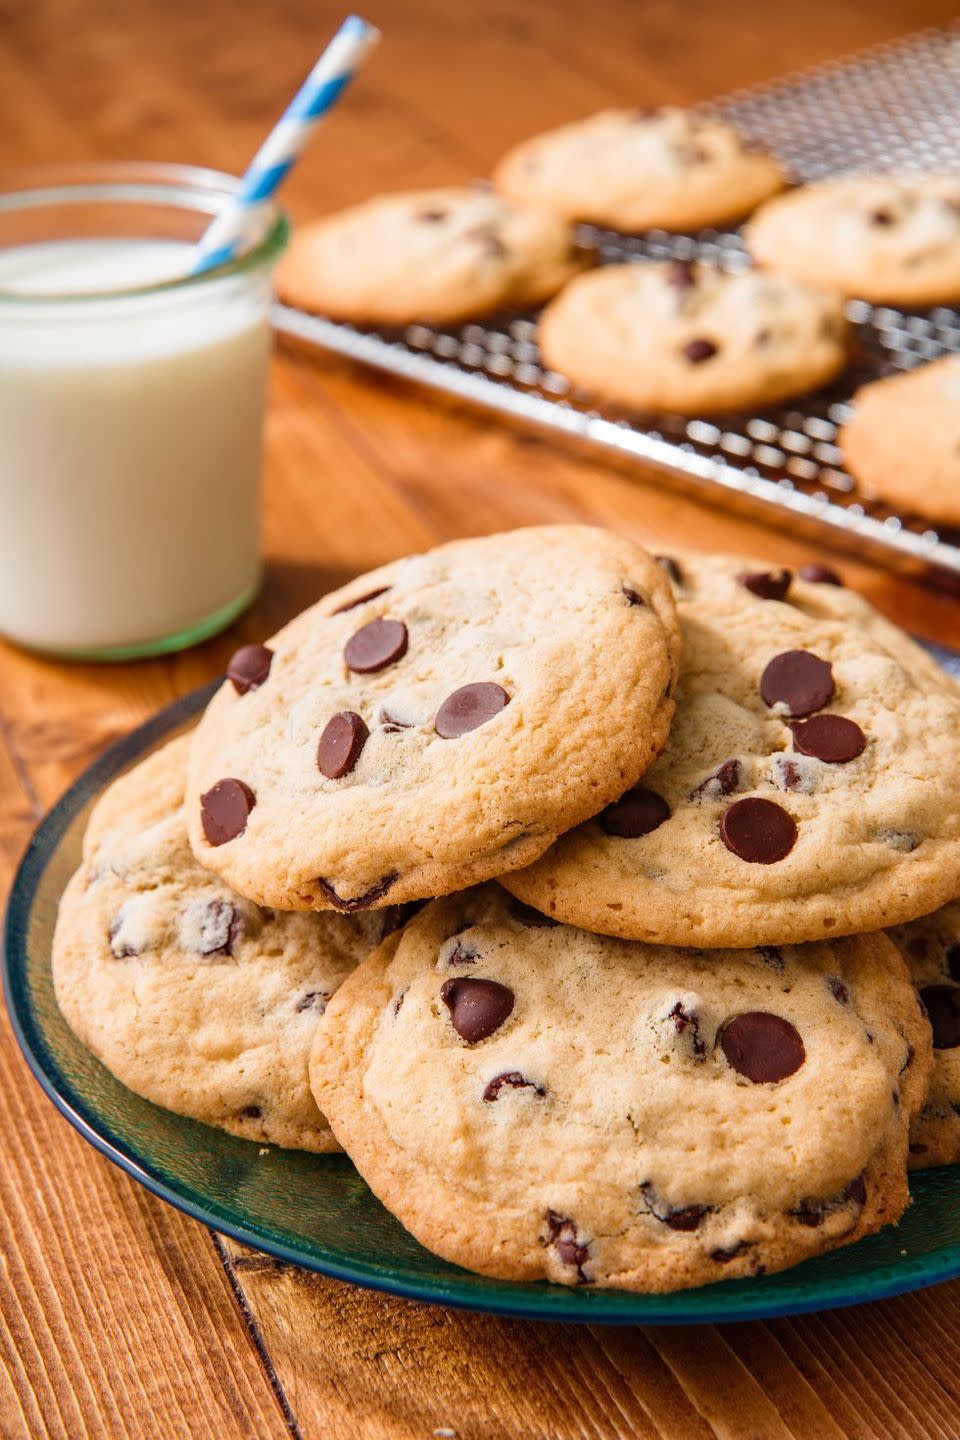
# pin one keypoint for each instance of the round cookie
(432, 255)
(533, 1101)
(894, 240)
(903, 441)
(639, 169)
(438, 721)
(191, 996)
(691, 338)
(808, 787)
(931, 948)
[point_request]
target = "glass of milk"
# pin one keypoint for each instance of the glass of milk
(131, 409)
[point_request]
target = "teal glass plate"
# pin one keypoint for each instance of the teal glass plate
(315, 1211)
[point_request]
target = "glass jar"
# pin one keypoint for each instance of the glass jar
(131, 410)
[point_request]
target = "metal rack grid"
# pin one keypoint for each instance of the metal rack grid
(896, 107)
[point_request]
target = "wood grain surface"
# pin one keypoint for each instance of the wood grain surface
(119, 1317)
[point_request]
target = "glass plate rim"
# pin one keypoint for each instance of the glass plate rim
(578, 1306)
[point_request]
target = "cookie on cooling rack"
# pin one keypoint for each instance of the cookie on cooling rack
(903, 440)
(533, 1101)
(894, 240)
(692, 338)
(433, 255)
(808, 787)
(436, 722)
(191, 996)
(931, 948)
(642, 169)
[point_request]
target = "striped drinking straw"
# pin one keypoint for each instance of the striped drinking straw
(286, 142)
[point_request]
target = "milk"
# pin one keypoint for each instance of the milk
(130, 431)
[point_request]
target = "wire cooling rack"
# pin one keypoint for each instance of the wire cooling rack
(896, 107)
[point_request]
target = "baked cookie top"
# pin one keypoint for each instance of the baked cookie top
(808, 787)
(931, 948)
(690, 337)
(438, 721)
(887, 238)
(534, 1101)
(192, 997)
(642, 169)
(903, 440)
(432, 255)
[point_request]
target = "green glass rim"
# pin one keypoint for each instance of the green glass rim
(183, 187)
(787, 1293)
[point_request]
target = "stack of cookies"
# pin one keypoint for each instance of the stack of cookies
(573, 892)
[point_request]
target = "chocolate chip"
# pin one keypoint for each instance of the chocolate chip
(375, 646)
(762, 1047)
(682, 274)
(685, 1217)
(565, 1240)
(251, 1112)
(943, 1007)
(683, 1020)
(772, 956)
(358, 902)
(699, 350)
(344, 736)
(477, 1007)
(759, 831)
(882, 218)
(360, 600)
(722, 781)
(224, 810)
(468, 708)
(634, 597)
(312, 1000)
(799, 680)
(951, 957)
(218, 926)
(461, 952)
(724, 1256)
(398, 1003)
(430, 217)
(514, 1080)
(526, 915)
(767, 584)
(839, 991)
(831, 738)
(819, 575)
(634, 814)
(813, 1212)
(788, 774)
(249, 667)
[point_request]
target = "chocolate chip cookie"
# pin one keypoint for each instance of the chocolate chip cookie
(437, 722)
(808, 787)
(193, 997)
(639, 169)
(691, 338)
(534, 1102)
(931, 948)
(433, 255)
(891, 239)
(903, 441)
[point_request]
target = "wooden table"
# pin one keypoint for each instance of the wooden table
(119, 1316)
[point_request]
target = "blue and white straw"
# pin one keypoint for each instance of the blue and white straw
(283, 146)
